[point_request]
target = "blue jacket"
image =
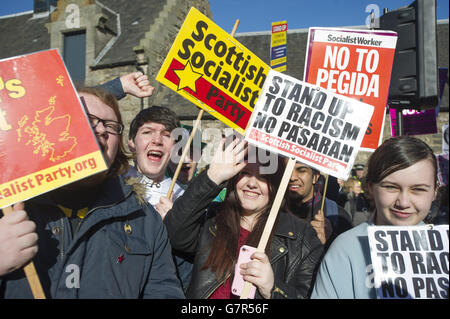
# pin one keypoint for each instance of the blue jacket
(120, 250)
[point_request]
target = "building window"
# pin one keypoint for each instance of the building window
(75, 55)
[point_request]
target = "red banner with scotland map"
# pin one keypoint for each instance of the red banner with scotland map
(46, 140)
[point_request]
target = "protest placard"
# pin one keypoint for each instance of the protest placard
(278, 46)
(410, 262)
(46, 140)
(316, 126)
(355, 63)
(211, 69)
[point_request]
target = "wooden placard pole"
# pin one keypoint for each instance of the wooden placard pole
(30, 271)
(272, 217)
(191, 137)
(324, 194)
(183, 155)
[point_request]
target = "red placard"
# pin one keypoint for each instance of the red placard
(46, 140)
(357, 64)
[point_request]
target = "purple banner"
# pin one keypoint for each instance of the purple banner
(420, 122)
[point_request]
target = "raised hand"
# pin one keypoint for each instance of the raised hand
(136, 84)
(227, 162)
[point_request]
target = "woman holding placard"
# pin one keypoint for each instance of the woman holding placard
(216, 232)
(402, 181)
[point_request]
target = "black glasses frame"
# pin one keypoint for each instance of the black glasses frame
(111, 126)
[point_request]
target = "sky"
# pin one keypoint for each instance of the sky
(258, 15)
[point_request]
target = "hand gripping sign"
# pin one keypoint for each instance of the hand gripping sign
(357, 64)
(46, 140)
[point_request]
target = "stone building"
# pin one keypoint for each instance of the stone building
(100, 40)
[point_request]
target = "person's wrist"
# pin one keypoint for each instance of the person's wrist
(214, 176)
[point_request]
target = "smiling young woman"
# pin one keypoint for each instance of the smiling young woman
(402, 182)
(215, 232)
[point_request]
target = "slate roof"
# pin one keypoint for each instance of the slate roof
(135, 21)
(22, 33)
(26, 33)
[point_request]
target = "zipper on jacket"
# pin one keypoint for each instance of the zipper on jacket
(62, 238)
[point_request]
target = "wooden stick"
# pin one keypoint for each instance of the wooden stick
(272, 217)
(183, 155)
(30, 271)
(191, 137)
(324, 194)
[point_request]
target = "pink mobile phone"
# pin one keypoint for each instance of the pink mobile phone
(238, 282)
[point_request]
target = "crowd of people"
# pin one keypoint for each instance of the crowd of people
(118, 235)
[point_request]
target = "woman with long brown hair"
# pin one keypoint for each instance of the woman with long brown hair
(215, 232)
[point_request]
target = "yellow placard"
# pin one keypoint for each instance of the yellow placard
(211, 69)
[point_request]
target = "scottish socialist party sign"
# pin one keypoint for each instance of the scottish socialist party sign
(214, 71)
(355, 63)
(316, 126)
(46, 140)
(410, 261)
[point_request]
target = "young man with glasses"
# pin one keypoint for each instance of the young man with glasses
(96, 237)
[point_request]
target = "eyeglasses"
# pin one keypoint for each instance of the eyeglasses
(112, 127)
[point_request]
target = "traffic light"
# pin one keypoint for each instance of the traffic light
(414, 79)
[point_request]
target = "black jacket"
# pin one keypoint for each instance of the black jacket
(294, 252)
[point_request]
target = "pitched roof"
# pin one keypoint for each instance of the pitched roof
(23, 33)
(26, 32)
(135, 21)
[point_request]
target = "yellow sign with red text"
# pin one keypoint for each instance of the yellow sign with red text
(214, 71)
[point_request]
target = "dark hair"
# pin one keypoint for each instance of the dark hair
(120, 164)
(223, 253)
(398, 153)
(155, 114)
